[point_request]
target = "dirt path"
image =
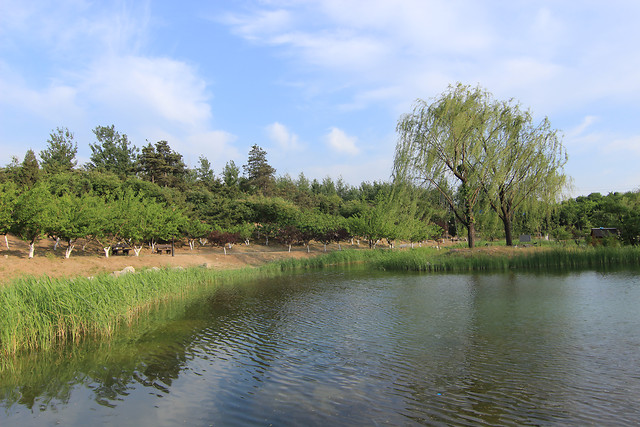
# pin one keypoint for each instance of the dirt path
(15, 262)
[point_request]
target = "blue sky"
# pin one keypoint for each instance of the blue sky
(319, 85)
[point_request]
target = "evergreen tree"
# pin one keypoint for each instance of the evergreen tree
(161, 165)
(259, 173)
(231, 175)
(60, 154)
(29, 171)
(112, 152)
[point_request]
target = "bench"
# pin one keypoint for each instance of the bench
(163, 247)
(120, 247)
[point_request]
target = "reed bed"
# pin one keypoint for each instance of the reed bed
(558, 258)
(37, 313)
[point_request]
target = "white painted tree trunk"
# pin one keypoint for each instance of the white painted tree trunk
(106, 251)
(339, 247)
(67, 253)
(289, 248)
(325, 247)
(6, 241)
(225, 249)
(32, 249)
(192, 243)
(136, 250)
(266, 243)
(246, 242)
(55, 247)
(308, 249)
(203, 242)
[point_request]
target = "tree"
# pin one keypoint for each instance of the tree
(73, 217)
(231, 175)
(161, 165)
(527, 163)
(204, 173)
(112, 152)
(8, 194)
(60, 154)
(441, 145)
(33, 214)
(260, 174)
(29, 171)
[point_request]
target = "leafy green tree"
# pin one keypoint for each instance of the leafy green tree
(194, 230)
(8, 196)
(259, 173)
(74, 217)
(112, 152)
(33, 214)
(441, 145)
(60, 154)
(527, 163)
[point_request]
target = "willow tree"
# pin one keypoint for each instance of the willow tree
(441, 145)
(527, 163)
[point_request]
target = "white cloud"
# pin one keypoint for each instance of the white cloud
(285, 139)
(340, 142)
(167, 89)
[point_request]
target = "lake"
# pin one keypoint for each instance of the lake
(351, 347)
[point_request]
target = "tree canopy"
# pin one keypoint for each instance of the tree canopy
(468, 145)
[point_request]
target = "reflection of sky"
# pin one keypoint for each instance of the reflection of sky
(364, 348)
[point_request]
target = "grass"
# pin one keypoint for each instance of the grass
(38, 313)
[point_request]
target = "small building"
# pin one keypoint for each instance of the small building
(602, 232)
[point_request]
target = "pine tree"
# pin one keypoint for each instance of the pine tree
(29, 171)
(260, 174)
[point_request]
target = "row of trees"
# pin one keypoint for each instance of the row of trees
(136, 217)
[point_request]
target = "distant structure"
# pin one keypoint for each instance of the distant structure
(601, 233)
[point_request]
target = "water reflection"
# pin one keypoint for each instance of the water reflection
(354, 348)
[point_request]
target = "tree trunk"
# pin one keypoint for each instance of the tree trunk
(289, 248)
(506, 221)
(471, 228)
(106, 251)
(32, 249)
(137, 249)
(6, 241)
(67, 253)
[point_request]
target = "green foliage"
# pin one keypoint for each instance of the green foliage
(8, 198)
(112, 152)
(161, 165)
(260, 175)
(29, 172)
(32, 214)
(60, 154)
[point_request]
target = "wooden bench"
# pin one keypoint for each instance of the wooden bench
(120, 247)
(163, 247)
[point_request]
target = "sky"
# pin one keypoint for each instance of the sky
(319, 85)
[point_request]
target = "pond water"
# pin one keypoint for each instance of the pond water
(356, 348)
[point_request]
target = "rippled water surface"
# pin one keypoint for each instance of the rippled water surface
(356, 348)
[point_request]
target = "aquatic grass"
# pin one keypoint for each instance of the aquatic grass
(37, 312)
(553, 257)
